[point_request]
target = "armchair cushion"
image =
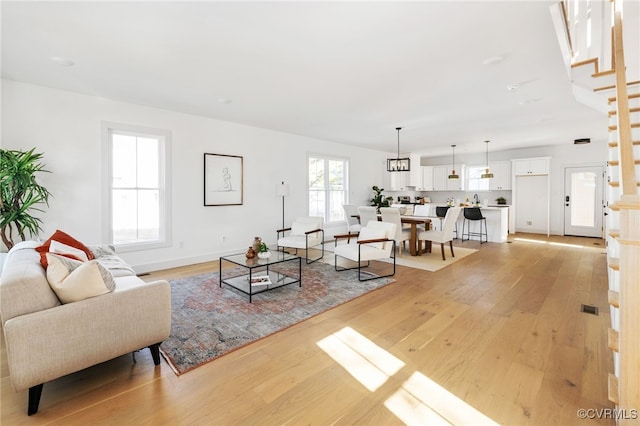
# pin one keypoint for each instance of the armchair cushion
(367, 233)
(300, 228)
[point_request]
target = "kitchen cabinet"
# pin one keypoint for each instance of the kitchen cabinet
(399, 181)
(415, 175)
(441, 181)
(501, 180)
(531, 166)
(427, 178)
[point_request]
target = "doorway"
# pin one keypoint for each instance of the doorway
(583, 201)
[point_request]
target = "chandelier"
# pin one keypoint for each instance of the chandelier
(398, 164)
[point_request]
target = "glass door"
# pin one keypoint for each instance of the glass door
(583, 201)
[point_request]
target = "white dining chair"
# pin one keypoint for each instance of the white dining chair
(446, 234)
(367, 214)
(392, 215)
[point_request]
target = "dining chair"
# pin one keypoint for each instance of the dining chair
(392, 215)
(474, 214)
(423, 210)
(446, 234)
(375, 242)
(304, 233)
(367, 214)
(441, 212)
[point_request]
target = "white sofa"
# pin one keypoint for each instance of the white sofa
(46, 339)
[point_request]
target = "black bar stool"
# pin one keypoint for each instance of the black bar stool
(474, 213)
(441, 212)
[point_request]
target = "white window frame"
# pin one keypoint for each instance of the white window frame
(326, 157)
(164, 136)
(480, 184)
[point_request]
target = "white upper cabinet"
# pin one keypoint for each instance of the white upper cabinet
(441, 181)
(531, 166)
(427, 178)
(416, 179)
(399, 181)
(501, 176)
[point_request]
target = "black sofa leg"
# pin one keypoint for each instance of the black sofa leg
(34, 398)
(155, 353)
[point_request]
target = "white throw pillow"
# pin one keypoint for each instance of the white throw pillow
(58, 247)
(372, 234)
(299, 228)
(73, 280)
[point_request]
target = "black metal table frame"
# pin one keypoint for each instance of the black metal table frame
(279, 279)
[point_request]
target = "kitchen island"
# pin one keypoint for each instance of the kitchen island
(497, 222)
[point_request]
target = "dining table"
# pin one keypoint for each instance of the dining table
(415, 245)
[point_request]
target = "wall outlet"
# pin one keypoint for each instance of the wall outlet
(529, 222)
(181, 244)
(224, 238)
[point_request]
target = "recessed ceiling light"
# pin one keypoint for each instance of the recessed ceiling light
(494, 60)
(63, 62)
(224, 100)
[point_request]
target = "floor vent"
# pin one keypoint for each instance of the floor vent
(143, 274)
(587, 309)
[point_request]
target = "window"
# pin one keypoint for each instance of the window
(328, 187)
(137, 187)
(475, 182)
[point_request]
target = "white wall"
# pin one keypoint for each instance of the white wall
(66, 127)
(562, 156)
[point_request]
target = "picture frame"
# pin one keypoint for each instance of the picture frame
(223, 180)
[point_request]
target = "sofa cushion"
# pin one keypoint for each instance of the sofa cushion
(63, 238)
(71, 252)
(74, 280)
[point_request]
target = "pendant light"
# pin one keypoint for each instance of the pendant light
(453, 174)
(487, 174)
(398, 164)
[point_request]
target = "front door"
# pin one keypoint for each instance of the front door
(583, 201)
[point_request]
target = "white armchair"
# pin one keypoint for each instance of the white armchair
(304, 233)
(375, 242)
(350, 211)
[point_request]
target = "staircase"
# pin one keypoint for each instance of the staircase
(592, 38)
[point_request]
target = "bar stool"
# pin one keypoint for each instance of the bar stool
(441, 212)
(474, 214)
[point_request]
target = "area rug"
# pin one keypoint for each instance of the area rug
(208, 321)
(427, 261)
(433, 261)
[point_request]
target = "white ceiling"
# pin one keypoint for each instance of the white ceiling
(348, 72)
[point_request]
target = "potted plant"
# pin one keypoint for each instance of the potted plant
(20, 195)
(501, 200)
(263, 251)
(380, 200)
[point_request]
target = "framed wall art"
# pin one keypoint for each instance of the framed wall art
(222, 180)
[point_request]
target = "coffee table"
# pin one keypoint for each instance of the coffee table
(258, 269)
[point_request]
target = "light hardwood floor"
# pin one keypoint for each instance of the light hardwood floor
(498, 333)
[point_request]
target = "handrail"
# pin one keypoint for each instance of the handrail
(627, 168)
